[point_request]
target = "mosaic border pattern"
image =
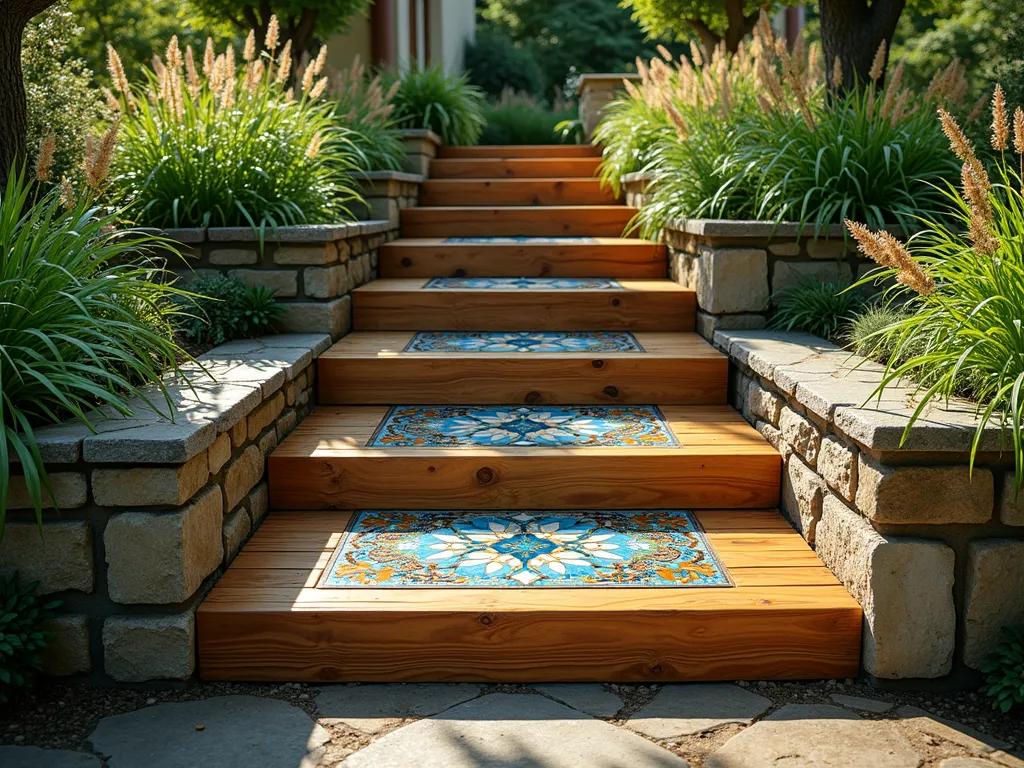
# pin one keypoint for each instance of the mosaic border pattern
(523, 283)
(524, 341)
(519, 239)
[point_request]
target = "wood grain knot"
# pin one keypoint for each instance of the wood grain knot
(486, 475)
(656, 669)
(616, 302)
(597, 363)
(406, 261)
(611, 391)
(431, 469)
(532, 398)
(486, 619)
(460, 272)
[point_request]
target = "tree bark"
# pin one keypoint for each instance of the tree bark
(14, 17)
(853, 31)
(707, 36)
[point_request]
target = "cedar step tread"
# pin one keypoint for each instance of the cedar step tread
(604, 257)
(507, 151)
(517, 220)
(372, 367)
(492, 192)
(519, 168)
(721, 461)
(405, 304)
(267, 621)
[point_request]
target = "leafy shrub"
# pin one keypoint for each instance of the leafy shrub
(496, 64)
(821, 307)
(447, 105)
(85, 319)
(964, 293)
(22, 638)
(221, 308)
(630, 132)
(869, 334)
(204, 145)
(62, 101)
(1004, 670)
(518, 119)
(365, 108)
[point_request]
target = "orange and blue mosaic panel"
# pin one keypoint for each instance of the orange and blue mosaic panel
(602, 548)
(524, 341)
(523, 283)
(470, 426)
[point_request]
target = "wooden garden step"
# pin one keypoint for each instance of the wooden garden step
(536, 257)
(491, 192)
(717, 460)
(519, 220)
(507, 151)
(786, 618)
(416, 304)
(374, 367)
(521, 168)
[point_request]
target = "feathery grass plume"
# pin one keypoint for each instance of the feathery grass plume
(209, 58)
(664, 52)
(112, 102)
(981, 215)
(885, 250)
(892, 91)
(174, 60)
(314, 146)
(1018, 130)
(978, 108)
(900, 110)
(697, 53)
(318, 90)
(963, 148)
(764, 28)
(270, 43)
(98, 157)
(878, 63)
(1000, 120)
(229, 63)
(307, 78)
(815, 65)
(770, 80)
(284, 64)
(117, 75)
(249, 51)
(192, 74)
(837, 72)
(254, 75)
(44, 160)
(289, 95)
(67, 192)
(216, 76)
(677, 120)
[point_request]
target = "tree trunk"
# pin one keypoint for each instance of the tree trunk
(14, 16)
(853, 31)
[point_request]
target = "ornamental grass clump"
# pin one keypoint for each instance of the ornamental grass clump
(210, 141)
(365, 108)
(428, 98)
(961, 289)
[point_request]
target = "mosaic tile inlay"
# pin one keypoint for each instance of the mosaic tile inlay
(516, 239)
(524, 283)
(521, 341)
(603, 548)
(475, 426)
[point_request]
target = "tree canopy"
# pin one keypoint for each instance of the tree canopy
(710, 20)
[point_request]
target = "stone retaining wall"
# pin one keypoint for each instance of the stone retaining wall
(311, 268)
(736, 266)
(386, 194)
(421, 147)
(152, 511)
(933, 552)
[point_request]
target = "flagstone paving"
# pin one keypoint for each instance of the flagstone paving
(482, 726)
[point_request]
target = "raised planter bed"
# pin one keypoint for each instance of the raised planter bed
(420, 148)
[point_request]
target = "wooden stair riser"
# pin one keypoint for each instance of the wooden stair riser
(513, 151)
(600, 478)
(489, 310)
(492, 192)
(574, 646)
(527, 379)
(566, 221)
(605, 258)
(531, 168)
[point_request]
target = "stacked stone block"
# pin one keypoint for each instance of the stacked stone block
(152, 509)
(420, 148)
(931, 549)
(386, 194)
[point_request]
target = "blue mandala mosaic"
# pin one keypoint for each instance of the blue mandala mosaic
(525, 239)
(549, 341)
(524, 283)
(471, 426)
(604, 548)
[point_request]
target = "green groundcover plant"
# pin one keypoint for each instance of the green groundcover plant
(221, 308)
(822, 307)
(86, 316)
(22, 636)
(519, 119)
(961, 290)
(1004, 671)
(448, 105)
(210, 143)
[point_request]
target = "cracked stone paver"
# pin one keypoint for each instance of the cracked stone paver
(586, 697)
(814, 735)
(371, 708)
(512, 731)
(235, 732)
(682, 710)
(34, 757)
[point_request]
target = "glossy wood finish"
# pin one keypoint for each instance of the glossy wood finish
(511, 151)
(518, 168)
(721, 462)
(639, 305)
(491, 192)
(369, 367)
(529, 220)
(603, 257)
(787, 618)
